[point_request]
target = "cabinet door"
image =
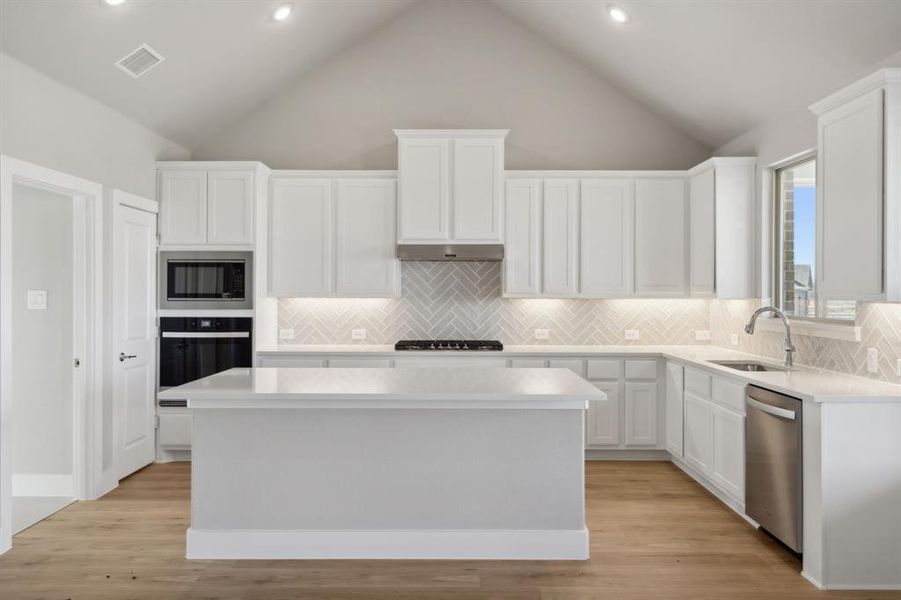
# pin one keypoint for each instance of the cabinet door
(559, 261)
(728, 466)
(365, 238)
(660, 245)
(702, 239)
(423, 168)
(477, 189)
(674, 411)
(300, 238)
(230, 207)
(607, 210)
(641, 414)
(602, 419)
(183, 207)
(850, 201)
(698, 427)
(523, 236)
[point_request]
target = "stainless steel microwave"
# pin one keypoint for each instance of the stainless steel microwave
(206, 280)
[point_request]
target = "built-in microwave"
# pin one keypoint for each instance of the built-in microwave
(206, 280)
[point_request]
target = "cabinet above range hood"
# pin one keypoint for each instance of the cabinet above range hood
(451, 252)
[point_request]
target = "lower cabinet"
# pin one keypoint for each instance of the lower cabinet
(602, 418)
(641, 414)
(675, 374)
(728, 466)
(698, 448)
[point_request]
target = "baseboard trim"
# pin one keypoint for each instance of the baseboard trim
(390, 544)
(726, 499)
(616, 454)
(43, 484)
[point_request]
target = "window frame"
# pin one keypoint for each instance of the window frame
(777, 248)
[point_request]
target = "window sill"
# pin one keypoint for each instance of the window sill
(835, 331)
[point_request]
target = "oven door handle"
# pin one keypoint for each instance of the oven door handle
(206, 334)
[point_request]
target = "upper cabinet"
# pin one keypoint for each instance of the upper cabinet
(333, 237)
(450, 186)
(607, 237)
(859, 190)
(208, 204)
(721, 228)
(660, 237)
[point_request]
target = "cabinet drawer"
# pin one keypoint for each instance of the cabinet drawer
(175, 429)
(698, 382)
(528, 363)
(353, 363)
(576, 366)
(288, 362)
(729, 394)
(641, 369)
(605, 369)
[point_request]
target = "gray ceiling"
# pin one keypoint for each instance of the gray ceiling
(715, 68)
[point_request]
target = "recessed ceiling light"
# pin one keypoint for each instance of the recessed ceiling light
(113, 2)
(281, 13)
(617, 14)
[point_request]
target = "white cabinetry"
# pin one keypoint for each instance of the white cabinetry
(674, 409)
(208, 204)
(721, 228)
(629, 417)
(450, 186)
(728, 439)
(560, 230)
(660, 237)
(698, 449)
(603, 417)
(332, 237)
(859, 190)
(522, 246)
(606, 222)
(641, 414)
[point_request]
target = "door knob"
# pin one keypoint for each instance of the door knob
(123, 356)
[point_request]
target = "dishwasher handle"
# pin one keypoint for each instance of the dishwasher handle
(771, 410)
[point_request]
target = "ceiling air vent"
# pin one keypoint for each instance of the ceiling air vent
(139, 61)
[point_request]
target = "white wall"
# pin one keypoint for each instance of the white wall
(42, 403)
(454, 65)
(51, 125)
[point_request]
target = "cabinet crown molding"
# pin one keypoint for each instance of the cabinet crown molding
(212, 165)
(450, 133)
(723, 161)
(860, 87)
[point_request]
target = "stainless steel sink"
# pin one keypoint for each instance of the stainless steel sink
(751, 367)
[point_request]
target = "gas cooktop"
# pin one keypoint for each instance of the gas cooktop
(477, 345)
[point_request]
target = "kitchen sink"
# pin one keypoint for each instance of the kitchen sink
(751, 367)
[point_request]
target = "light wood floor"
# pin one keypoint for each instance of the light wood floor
(654, 534)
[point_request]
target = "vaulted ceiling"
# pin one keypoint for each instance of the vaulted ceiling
(712, 68)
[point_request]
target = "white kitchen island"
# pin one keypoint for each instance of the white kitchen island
(388, 463)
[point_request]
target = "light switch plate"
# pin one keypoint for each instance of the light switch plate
(542, 334)
(702, 335)
(734, 339)
(632, 334)
(872, 360)
(358, 334)
(37, 300)
(286, 334)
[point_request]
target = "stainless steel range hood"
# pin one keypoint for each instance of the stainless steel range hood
(464, 252)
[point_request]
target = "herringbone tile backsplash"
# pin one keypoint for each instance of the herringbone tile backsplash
(463, 300)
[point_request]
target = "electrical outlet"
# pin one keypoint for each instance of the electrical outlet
(36, 300)
(702, 335)
(734, 339)
(898, 367)
(632, 334)
(286, 334)
(358, 334)
(872, 360)
(542, 334)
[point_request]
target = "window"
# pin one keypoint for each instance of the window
(796, 250)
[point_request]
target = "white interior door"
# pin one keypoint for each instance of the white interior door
(134, 337)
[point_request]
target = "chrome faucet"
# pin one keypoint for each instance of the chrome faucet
(787, 346)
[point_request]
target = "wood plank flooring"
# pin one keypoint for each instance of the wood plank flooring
(654, 534)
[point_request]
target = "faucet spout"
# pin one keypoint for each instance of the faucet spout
(788, 346)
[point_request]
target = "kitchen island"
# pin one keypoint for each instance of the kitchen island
(436, 463)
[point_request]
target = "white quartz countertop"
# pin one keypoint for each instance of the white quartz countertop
(806, 383)
(480, 388)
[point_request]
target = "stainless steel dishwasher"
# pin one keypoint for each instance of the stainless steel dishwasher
(773, 465)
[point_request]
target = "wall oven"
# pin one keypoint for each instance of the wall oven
(196, 347)
(206, 280)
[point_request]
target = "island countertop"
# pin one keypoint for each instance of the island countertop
(414, 388)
